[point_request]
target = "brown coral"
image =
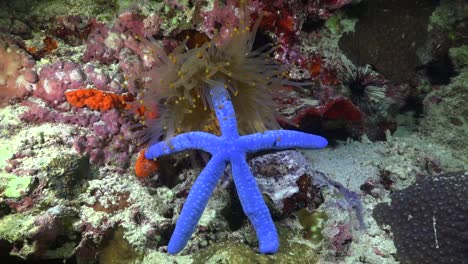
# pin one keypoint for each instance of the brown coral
(10, 65)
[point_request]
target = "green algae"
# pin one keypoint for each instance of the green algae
(449, 19)
(447, 14)
(9, 124)
(44, 9)
(160, 257)
(117, 250)
(65, 174)
(339, 24)
(336, 27)
(172, 18)
(65, 251)
(231, 252)
(9, 116)
(16, 227)
(25, 251)
(113, 211)
(5, 154)
(447, 122)
(15, 186)
(313, 224)
(237, 253)
(459, 56)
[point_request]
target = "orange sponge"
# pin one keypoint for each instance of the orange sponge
(97, 99)
(145, 167)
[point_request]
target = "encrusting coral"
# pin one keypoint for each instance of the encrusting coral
(429, 218)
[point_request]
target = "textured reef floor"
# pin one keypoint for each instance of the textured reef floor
(386, 82)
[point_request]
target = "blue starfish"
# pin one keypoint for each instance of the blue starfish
(229, 147)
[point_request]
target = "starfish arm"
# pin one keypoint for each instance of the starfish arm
(281, 139)
(224, 111)
(254, 206)
(195, 204)
(191, 140)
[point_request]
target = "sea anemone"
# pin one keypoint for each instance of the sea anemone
(181, 81)
(366, 88)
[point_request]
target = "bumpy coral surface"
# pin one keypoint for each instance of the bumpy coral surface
(429, 220)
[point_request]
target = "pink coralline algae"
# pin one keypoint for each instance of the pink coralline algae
(71, 29)
(221, 20)
(335, 4)
(131, 23)
(99, 79)
(56, 78)
(96, 47)
(121, 44)
(109, 140)
(105, 44)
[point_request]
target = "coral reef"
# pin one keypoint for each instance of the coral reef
(295, 186)
(80, 87)
(446, 119)
(428, 220)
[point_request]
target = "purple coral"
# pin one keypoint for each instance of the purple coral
(429, 218)
(222, 19)
(107, 144)
(56, 78)
(96, 48)
(99, 79)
